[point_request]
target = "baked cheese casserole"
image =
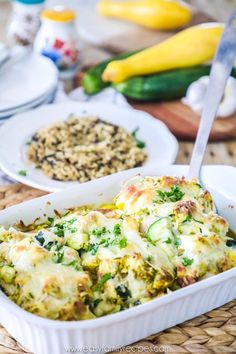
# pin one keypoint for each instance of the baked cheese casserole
(159, 234)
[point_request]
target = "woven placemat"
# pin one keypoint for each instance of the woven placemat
(214, 332)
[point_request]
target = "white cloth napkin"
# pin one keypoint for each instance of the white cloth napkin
(107, 95)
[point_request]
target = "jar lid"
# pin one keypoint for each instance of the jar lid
(58, 14)
(31, 2)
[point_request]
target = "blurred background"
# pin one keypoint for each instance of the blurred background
(219, 9)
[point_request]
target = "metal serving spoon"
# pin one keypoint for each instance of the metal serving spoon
(220, 72)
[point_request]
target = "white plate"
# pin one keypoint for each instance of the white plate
(4, 52)
(43, 336)
(31, 104)
(45, 99)
(27, 80)
(162, 147)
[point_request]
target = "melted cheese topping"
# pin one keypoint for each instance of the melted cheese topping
(160, 234)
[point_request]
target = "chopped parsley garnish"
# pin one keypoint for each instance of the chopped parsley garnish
(174, 195)
(177, 242)
(117, 230)
(49, 245)
(141, 144)
(123, 242)
(22, 173)
(190, 217)
(58, 230)
(150, 240)
(72, 229)
(105, 242)
(58, 254)
(168, 241)
(99, 232)
(73, 264)
(93, 248)
(67, 225)
(50, 220)
(39, 237)
(187, 261)
(96, 302)
(103, 280)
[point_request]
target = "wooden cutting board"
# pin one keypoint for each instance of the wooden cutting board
(183, 122)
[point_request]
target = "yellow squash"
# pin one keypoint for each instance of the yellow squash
(156, 14)
(192, 46)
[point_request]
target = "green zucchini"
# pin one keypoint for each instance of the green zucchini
(160, 230)
(92, 80)
(164, 86)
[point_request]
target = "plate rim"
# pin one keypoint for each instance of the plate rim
(43, 100)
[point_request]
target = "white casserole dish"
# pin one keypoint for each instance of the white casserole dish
(43, 336)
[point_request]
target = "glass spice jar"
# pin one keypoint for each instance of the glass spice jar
(58, 40)
(24, 21)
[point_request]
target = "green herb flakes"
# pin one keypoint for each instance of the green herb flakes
(117, 230)
(99, 232)
(93, 248)
(22, 173)
(174, 195)
(73, 264)
(150, 240)
(58, 230)
(49, 245)
(58, 255)
(189, 218)
(123, 242)
(177, 242)
(102, 281)
(50, 220)
(187, 261)
(141, 144)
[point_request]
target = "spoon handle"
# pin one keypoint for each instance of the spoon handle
(220, 71)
